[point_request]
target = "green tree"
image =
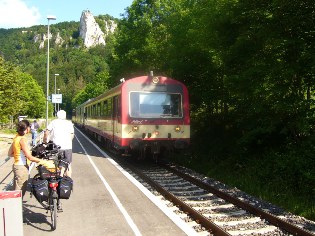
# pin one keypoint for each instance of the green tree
(99, 86)
(142, 39)
(33, 95)
(19, 93)
(10, 89)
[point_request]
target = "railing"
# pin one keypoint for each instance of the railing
(4, 161)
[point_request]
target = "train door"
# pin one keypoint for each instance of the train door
(116, 120)
(84, 115)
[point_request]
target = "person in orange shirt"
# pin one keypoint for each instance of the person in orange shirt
(20, 151)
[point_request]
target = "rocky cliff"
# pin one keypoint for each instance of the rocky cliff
(89, 31)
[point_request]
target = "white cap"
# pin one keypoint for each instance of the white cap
(61, 114)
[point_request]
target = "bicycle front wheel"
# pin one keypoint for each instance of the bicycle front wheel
(53, 214)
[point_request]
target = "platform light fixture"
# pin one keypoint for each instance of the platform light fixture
(58, 103)
(49, 17)
(55, 89)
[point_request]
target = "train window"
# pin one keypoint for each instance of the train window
(154, 105)
(105, 108)
(94, 110)
(110, 107)
(101, 108)
(98, 112)
(118, 106)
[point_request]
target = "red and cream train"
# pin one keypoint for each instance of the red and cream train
(142, 115)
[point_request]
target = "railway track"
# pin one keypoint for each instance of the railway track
(210, 207)
(213, 209)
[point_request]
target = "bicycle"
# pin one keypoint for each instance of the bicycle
(45, 183)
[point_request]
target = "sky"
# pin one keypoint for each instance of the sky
(26, 13)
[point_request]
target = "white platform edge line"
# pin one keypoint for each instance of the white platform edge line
(114, 196)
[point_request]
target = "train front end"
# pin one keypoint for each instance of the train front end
(155, 115)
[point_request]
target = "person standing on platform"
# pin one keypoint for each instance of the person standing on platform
(34, 128)
(19, 149)
(61, 132)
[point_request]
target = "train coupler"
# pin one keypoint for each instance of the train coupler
(155, 148)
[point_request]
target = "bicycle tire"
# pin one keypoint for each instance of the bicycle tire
(53, 214)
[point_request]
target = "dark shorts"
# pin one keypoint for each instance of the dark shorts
(67, 155)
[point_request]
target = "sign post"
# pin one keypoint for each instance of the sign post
(57, 98)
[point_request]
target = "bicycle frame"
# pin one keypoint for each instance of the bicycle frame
(53, 178)
(53, 199)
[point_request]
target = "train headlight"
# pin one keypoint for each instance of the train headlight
(135, 128)
(157, 133)
(155, 80)
(177, 129)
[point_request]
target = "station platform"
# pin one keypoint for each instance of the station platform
(104, 202)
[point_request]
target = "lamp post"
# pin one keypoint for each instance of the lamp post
(47, 86)
(55, 89)
(58, 103)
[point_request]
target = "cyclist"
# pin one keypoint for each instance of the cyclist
(61, 132)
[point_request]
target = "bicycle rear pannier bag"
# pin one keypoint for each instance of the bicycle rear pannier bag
(65, 187)
(40, 189)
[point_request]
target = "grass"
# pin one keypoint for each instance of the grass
(8, 131)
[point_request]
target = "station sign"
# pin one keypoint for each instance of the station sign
(56, 98)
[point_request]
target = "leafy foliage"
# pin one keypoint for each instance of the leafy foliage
(99, 85)
(249, 64)
(19, 93)
(77, 66)
(249, 67)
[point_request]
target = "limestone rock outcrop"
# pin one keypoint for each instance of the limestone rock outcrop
(90, 31)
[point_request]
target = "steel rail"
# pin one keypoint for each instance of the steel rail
(295, 230)
(205, 222)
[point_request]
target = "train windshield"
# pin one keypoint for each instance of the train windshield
(155, 105)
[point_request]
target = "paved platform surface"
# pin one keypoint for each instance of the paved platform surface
(104, 202)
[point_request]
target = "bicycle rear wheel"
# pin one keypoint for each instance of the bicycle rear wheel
(53, 214)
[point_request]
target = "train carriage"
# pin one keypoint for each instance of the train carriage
(147, 114)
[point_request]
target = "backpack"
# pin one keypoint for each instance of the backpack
(39, 188)
(65, 187)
